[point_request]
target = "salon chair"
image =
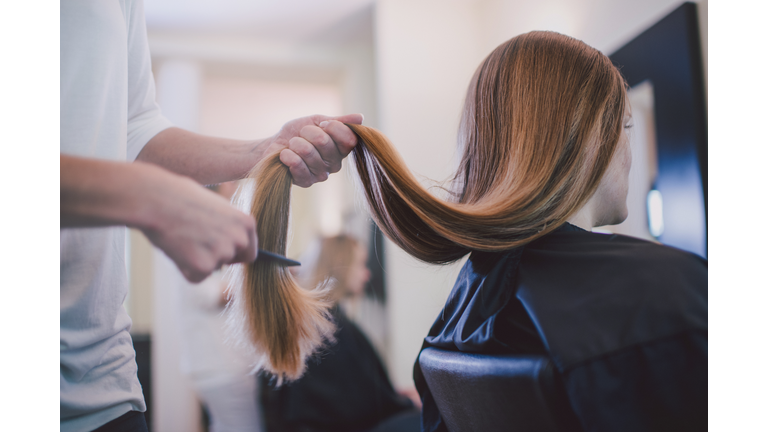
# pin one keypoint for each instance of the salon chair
(487, 393)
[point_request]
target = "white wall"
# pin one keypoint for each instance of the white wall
(175, 406)
(426, 52)
(248, 108)
(603, 24)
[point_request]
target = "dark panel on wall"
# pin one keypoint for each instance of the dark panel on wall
(669, 55)
(142, 344)
(376, 286)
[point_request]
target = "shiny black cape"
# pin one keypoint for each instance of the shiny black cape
(624, 320)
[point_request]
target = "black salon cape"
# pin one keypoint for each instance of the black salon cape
(624, 321)
(345, 388)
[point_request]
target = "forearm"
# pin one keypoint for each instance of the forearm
(206, 159)
(102, 193)
(198, 229)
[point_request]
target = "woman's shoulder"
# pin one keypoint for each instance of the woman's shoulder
(615, 265)
(615, 254)
(594, 293)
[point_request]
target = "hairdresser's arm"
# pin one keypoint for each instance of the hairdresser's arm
(198, 229)
(313, 147)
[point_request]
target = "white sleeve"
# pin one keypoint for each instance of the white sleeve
(144, 117)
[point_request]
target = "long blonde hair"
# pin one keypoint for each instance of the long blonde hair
(541, 121)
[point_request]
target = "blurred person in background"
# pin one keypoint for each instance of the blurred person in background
(345, 387)
(219, 372)
(124, 164)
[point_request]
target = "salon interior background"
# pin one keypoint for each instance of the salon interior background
(241, 68)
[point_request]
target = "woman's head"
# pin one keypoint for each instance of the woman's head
(342, 261)
(541, 121)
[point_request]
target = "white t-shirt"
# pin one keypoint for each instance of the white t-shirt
(108, 111)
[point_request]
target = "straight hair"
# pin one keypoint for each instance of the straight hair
(541, 121)
(282, 323)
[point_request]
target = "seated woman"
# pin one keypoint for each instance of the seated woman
(545, 158)
(345, 387)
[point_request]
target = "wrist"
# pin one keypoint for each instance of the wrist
(256, 151)
(105, 193)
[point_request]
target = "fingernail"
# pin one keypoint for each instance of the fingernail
(323, 124)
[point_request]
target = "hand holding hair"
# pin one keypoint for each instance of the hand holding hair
(198, 229)
(313, 147)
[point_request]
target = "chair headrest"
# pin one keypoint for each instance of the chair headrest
(482, 392)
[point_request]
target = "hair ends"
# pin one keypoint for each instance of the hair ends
(279, 322)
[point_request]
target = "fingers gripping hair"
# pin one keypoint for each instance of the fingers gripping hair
(282, 322)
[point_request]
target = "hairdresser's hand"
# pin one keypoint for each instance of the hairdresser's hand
(314, 146)
(198, 229)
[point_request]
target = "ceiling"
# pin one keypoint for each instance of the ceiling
(285, 20)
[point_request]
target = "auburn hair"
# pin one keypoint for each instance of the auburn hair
(541, 121)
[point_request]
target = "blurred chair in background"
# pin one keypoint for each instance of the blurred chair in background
(219, 373)
(345, 387)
